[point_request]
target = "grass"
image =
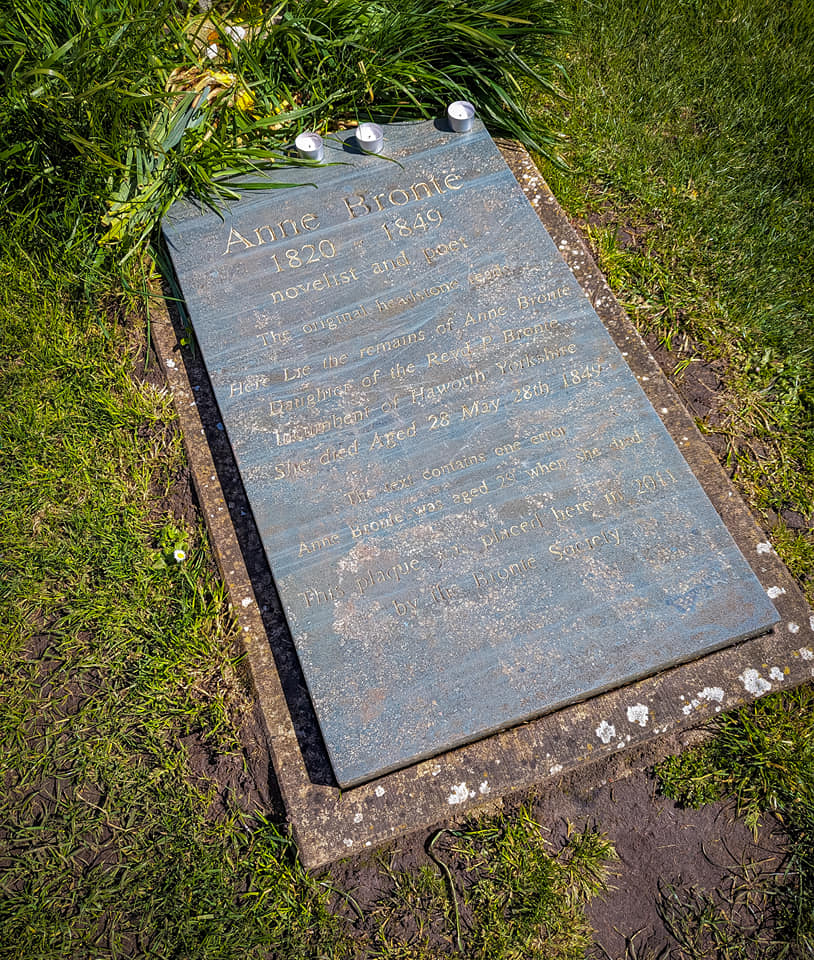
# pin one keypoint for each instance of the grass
(116, 661)
(496, 889)
(691, 148)
(761, 758)
(691, 132)
(118, 665)
(102, 107)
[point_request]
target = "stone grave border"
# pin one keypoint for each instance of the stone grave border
(329, 823)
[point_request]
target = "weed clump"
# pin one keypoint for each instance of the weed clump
(497, 890)
(129, 105)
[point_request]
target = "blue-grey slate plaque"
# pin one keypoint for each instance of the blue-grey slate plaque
(471, 511)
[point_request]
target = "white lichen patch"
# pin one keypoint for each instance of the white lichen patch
(348, 564)
(753, 682)
(806, 653)
(765, 547)
(555, 769)
(793, 627)
(484, 788)
(379, 791)
(605, 731)
(777, 674)
(638, 713)
(774, 592)
(460, 793)
(707, 695)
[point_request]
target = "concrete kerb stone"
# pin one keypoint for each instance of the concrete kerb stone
(328, 823)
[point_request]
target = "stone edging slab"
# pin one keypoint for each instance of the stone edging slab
(329, 823)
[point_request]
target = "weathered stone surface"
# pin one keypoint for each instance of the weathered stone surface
(472, 513)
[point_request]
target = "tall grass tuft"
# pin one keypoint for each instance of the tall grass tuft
(113, 108)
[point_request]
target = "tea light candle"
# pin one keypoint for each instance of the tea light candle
(460, 115)
(309, 145)
(370, 137)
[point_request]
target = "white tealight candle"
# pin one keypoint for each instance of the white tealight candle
(461, 115)
(309, 145)
(370, 137)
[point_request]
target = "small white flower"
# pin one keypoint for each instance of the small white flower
(180, 556)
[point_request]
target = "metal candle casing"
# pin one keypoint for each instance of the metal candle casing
(460, 116)
(370, 137)
(309, 145)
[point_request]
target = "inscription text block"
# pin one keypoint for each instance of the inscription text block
(471, 511)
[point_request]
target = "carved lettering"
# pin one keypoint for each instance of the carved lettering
(359, 204)
(487, 577)
(325, 282)
(270, 233)
(498, 535)
(236, 239)
(543, 297)
(577, 548)
(316, 545)
(394, 574)
(578, 509)
(518, 334)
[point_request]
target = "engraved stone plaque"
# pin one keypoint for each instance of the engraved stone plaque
(471, 511)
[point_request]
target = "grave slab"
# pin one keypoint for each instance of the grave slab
(329, 822)
(471, 511)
